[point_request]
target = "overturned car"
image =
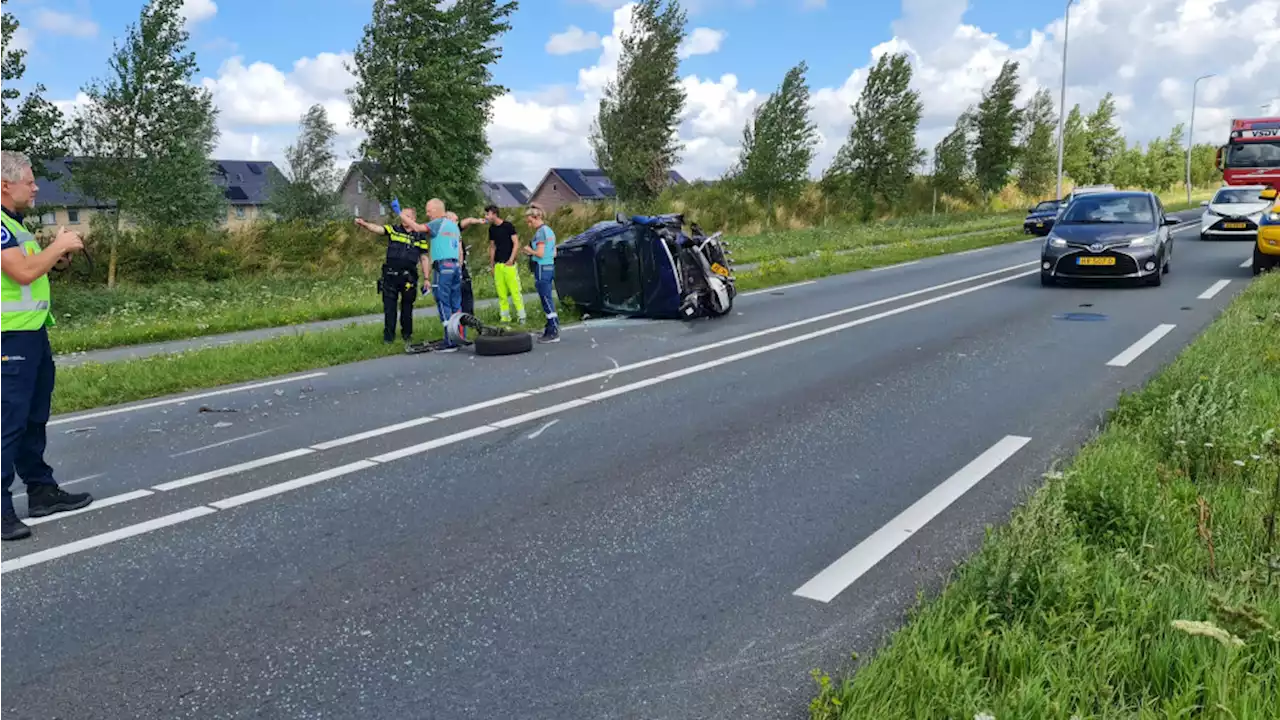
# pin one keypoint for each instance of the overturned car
(646, 266)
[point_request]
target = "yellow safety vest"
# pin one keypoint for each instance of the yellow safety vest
(23, 307)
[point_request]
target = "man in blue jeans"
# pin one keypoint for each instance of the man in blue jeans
(542, 254)
(446, 267)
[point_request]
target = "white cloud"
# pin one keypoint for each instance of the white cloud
(1146, 52)
(702, 41)
(59, 23)
(21, 40)
(198, 10)
(572, 40)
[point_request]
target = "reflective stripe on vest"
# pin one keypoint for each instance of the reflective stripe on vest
(26, 312)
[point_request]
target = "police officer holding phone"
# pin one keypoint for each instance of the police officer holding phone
(27, 359)
(399, 281)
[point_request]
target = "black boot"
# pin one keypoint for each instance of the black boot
(14, 529)
(49, 499)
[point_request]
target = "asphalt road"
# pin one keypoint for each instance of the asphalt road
(648, 520)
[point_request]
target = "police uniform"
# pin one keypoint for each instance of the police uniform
(27, 390)
(399, 281)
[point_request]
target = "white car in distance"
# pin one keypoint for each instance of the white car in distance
(1234, 213)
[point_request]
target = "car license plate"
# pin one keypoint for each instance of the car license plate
(1235, 226)
(1095, 261)
(719, 269)
(1039, 224)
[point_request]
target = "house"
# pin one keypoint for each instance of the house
(244, 184)
(358, 192)
(562, 186)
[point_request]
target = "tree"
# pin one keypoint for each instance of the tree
(877, 159)
(1204, 166)
(634, 139)
(36, 126)
(148, 130)
(1130, 170)
(952, 156)
(1103, 141)
(309, 189)
(1165, 160)
(1037, 154)
(424, 94)
(1075, 148)
(779, 141)
(998, 122)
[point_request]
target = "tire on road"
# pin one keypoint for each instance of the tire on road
(503, 344)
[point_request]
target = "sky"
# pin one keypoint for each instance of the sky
(266, 61)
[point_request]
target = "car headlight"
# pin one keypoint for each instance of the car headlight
(1144, 240)
(1274, 216)
(1055, 241)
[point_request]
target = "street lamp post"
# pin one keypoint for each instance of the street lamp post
(1062, 99)
(1192, 131)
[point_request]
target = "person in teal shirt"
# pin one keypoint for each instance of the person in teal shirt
(446, 268)
(542, 253)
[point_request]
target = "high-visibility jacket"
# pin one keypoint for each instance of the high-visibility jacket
(23, 307)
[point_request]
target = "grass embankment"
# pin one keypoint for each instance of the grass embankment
(1143, 582)
(90, 318)
(92, 384)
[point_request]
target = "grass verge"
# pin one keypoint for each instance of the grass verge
(90, 385)
(91, 318)
(1142, 582)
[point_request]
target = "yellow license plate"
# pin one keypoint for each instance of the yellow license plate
(719, 269)
(1235, 226)
(1096, 261)
(1039, 224)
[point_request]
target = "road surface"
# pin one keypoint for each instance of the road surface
(648, 520)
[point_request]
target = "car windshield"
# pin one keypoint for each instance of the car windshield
(1046, 206)
(1109, 209)
(1253, 154)
(1234, 196)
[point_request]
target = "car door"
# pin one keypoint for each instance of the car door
(1166, 234)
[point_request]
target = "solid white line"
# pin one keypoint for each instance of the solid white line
(376, 432)
(890, 267)
(434, 444)
(538, 414)
(482, 405)
(97, 505)
(1247, 263)
(777, 287)
(220, 444)
(182, 399)
(842, 573)
(1144, 343)
(1214, 289)
(106, 538)
(770, 331)
(232, 469)
(294, 484)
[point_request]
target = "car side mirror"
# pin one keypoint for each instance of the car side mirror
(1171, 220)
(1204, 203)
(1030, 210)
(1268, 194)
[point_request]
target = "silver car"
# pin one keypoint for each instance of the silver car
(1234, 213)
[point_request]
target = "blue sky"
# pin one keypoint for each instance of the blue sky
(267, 60)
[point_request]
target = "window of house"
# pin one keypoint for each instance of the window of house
(355, 210)
(239, 212)
(382, 209)
(359, 187)
(48, 219)
(554, 186)
(73, 217)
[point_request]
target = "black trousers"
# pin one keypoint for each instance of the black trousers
(468, 297)
(399, 288)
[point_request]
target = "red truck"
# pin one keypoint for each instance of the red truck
(1252, 153)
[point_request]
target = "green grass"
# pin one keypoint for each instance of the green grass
(91, 318)
(92, 385)
(1142, 582)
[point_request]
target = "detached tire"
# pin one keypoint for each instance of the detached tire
(503, 344)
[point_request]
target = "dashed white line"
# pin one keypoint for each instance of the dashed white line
(1214, 289)
(294, 484)
(233, 469)
(777, 288)
(842, 573)
(106, 538)
(1247, 263)
(1142, 345)
(891, 267)
(183, 399)
(220, 444)
(376, 432)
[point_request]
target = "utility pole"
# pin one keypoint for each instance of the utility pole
(1062, 98)
(1191, 134)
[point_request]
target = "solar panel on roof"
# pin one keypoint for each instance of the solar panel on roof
(235, 192)
(254, 168)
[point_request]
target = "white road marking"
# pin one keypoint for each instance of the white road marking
(220, 444)
(1142, 345)
(534, 435)
(182, 399)
(69, 482)
(482, 405)
(106, 538)
(842, 573)
(1247, 263)
(973, 251)
(294, 484)
(1214, 289)
(776, 288)
(376, 432)
(232, 469)
(96, 505)
(890, 267)
(434, 444)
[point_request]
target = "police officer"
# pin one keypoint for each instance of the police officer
(399, 281)
(26, 356)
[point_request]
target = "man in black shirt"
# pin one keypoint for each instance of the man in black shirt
(503, 245)
(399, 282)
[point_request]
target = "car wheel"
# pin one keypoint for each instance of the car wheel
(1260, 262)
(503, 344)
(1047, 280)
(1167, 263)
(1204, 237)
(1155, 278)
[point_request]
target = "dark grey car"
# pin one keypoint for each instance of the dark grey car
(1109, 236)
